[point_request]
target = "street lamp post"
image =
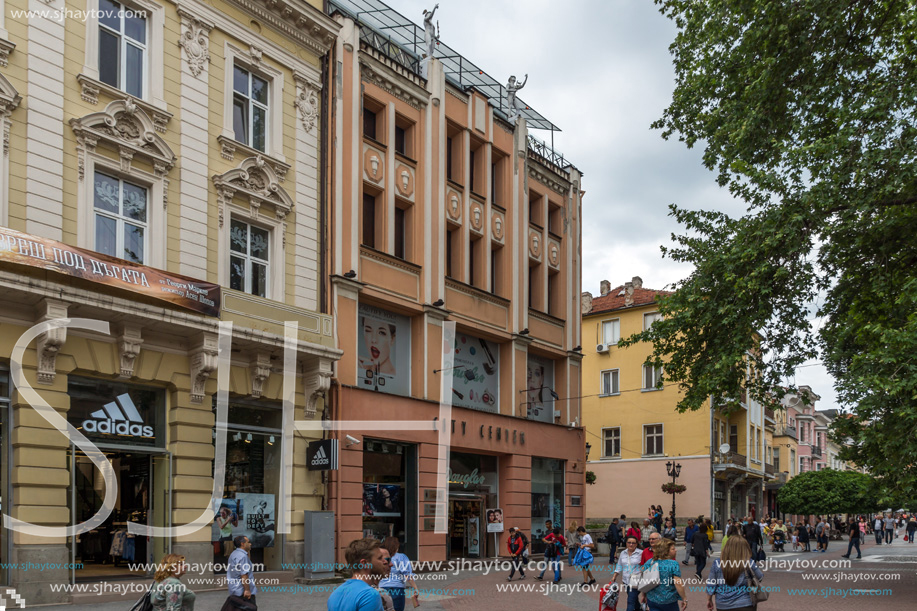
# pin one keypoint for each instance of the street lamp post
(674, 470)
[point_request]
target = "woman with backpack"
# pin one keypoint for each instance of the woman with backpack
(729, 583)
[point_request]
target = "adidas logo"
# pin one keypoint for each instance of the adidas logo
(120, 417)
(320, 458)
(16, 599)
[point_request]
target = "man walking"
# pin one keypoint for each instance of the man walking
(877, 529)
(553, 550)
(366, 558)
(821, 538)
(613, 537)
(516, 544)
(890, 524)
(854, 530)
(240, 577)
(699, 548)
(690, 529)
(752, 534)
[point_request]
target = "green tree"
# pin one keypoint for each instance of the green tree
(807, 112)
(828, 492)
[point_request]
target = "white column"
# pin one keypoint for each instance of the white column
(194, 150)
(306, 218)
(45, 123)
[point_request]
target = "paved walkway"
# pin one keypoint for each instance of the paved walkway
(884, 579)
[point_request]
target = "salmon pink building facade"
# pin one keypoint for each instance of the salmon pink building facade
(444, 209)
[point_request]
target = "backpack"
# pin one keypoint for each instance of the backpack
(550, 550)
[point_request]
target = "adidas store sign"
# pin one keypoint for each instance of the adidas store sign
(120, 417)
(320, 459)
(322, 455)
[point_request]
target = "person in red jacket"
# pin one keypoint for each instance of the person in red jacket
(516, 545)
(634, 531)
(554, 549)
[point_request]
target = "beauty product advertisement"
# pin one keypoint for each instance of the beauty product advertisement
(384, 342)
(540, 384)
(475, 376)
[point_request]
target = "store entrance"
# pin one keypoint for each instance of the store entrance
(109, 551)
(466, 527)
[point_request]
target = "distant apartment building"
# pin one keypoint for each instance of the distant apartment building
(635, 430)
(444, 209)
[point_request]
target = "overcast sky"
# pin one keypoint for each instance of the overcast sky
(601, 71)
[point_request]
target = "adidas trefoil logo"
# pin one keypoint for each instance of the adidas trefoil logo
(320, 457)
(120, 417)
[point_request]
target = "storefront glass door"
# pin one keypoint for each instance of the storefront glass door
(110, 551)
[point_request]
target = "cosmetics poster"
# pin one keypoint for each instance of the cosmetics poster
(475, 375)
(384, 341)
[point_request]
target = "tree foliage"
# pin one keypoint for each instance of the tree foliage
(807, 111)
(828, 492)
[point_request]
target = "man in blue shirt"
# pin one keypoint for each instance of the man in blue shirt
(239, 575)
(369, 564)
(689, 540)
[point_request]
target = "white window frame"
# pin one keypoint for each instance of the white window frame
(273, 143)
(652, 317)
(122, 54)
(656, 378)
(154, 72)
(253, 104)
(614, 321)
(613, 374)
(276, 289)
(604, 440)
(157, 231)
(249, 259)
(120, 219)
(661, 436)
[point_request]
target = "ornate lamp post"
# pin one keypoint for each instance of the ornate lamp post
(674, 470)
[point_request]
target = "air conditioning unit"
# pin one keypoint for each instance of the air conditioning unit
(601, 348)
(556, 413)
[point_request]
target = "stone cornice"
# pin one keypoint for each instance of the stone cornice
(548, 178)
(391, 77)
(463, 98)
(477, 293)
(299, 21)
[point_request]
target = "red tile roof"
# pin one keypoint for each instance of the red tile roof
(614, 300)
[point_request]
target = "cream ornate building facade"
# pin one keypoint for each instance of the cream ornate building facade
(177, 141)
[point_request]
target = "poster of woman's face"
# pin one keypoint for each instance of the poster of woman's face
(384, 342)
(540, 383)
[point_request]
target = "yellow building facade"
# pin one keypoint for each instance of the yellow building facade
(161, 177)
(634, 429)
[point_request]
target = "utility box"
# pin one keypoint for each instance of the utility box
(318, 555)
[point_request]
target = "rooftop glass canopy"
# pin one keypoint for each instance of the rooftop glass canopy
(389, 26)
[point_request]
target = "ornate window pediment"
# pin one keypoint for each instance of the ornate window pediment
(256, 180)
(126, 128)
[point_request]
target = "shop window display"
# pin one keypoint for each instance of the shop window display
(251, 486)
(389, 491)
(547, 498)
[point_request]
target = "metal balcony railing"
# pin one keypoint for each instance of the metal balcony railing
(786, 431)
(733, 458)
(768, 469)
(816, 451)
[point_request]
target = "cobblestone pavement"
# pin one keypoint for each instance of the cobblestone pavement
(885, 578)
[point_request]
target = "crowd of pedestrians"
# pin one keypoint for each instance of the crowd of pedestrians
(646, 575)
